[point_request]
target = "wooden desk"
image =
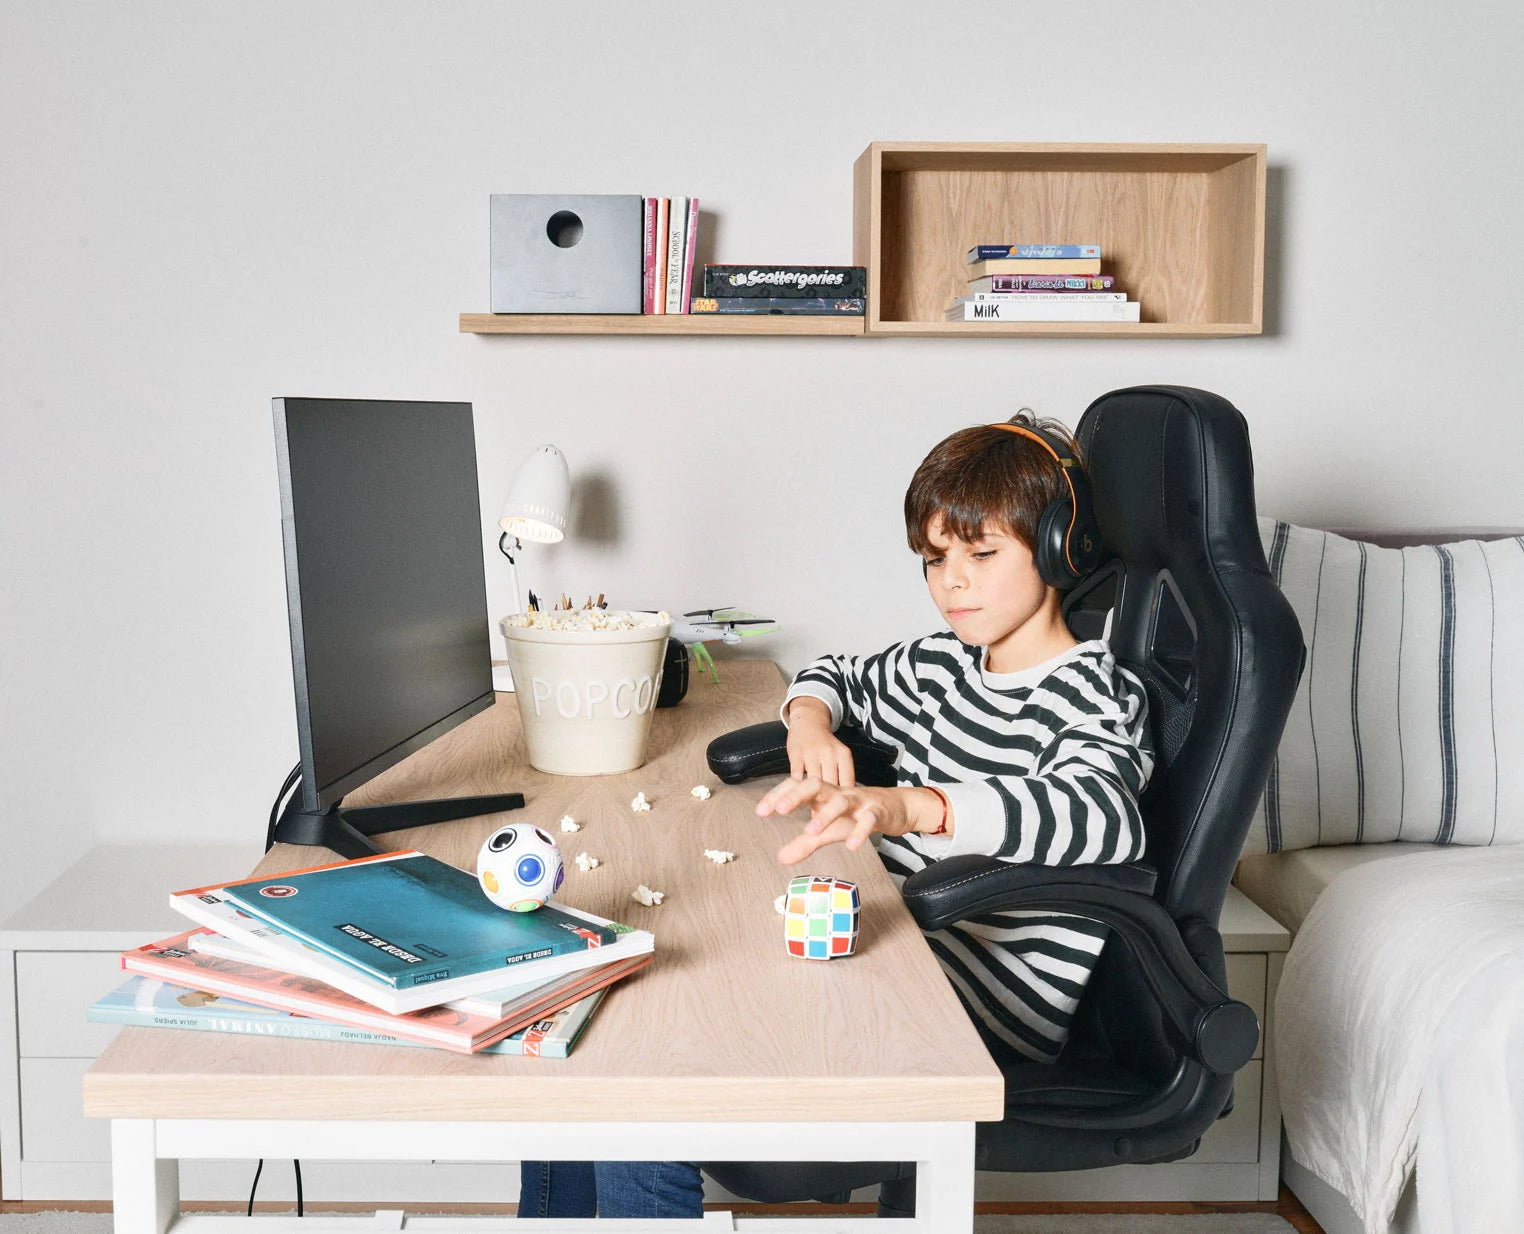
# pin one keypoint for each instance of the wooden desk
(725, 1049)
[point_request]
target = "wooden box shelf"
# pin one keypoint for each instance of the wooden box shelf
(1182, 227)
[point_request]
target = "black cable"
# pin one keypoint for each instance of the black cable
(293, 778)
(257, 1170)
(298, 1166)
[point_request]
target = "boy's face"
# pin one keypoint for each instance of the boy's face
(985, 590)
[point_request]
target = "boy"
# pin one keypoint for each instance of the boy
(1016, 741)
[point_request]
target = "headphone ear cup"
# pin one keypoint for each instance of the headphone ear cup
(1052, 532)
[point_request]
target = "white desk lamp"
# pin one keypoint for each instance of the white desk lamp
(535, 508)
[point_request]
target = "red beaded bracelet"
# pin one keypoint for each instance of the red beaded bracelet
(941, 796)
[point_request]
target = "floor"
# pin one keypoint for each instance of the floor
(1286, 1207)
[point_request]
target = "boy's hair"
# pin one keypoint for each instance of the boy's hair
(985, 478)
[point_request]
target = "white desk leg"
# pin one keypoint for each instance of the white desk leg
(944, 1179)
(145, 1190)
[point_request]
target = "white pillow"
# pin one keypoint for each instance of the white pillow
(1408, 723)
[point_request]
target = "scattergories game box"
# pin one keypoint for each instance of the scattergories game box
(779, 282)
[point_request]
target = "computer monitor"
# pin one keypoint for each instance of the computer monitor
(386, 592)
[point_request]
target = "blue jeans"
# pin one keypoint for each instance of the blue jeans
(671, 1189)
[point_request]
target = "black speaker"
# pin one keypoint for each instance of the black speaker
(674, 675)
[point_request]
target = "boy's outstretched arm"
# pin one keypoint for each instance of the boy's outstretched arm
(840, 814)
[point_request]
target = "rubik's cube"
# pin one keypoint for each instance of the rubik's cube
(820, 916)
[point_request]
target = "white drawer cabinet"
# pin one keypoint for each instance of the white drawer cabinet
(58, 954)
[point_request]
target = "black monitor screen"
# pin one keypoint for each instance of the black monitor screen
(384, 579)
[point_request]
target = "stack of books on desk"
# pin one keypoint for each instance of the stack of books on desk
(1040, 282)
(398, 946)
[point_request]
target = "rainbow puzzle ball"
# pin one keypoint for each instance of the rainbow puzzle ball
(519, 868)
(820, 916)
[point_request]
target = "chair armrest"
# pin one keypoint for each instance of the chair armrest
(762, 750)
(1217, 1031)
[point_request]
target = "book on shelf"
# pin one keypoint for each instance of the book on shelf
(1042, 297)
(1047, 252)
(648, 257)
(676, 223)
(151, 1002)
(1046, 311)
(1042, 282)
(777, 282)
(245, 936)
(659, 258)
(788, 306)
(668, 252)
(1034, 265)
(174, 960)
(690, 248)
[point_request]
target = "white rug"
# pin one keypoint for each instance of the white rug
(1120, 1223)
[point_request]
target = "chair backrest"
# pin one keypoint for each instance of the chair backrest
(1197, 616)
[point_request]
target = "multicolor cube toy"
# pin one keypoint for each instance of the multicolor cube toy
(820, 916)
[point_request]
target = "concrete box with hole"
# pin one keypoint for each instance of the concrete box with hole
(554, 253)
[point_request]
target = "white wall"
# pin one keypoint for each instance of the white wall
(203, 206)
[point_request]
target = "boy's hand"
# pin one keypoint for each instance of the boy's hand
(842, 814)
(812, 748)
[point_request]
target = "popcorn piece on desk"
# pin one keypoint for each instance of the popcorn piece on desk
(646, 896)
(640, 805)
(719, 856)
(586, 863)
(701, 791)
(779, 902)
(568, 823)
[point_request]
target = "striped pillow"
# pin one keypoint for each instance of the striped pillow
(1409, 720)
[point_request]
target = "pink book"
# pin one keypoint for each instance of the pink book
(689, 248)
(659, 259)
(173, 960)
(648, 267)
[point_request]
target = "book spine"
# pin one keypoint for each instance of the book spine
(1045, 312)
(1043, 297)
(306, 1027)
(781, 306)
(776, 282)
(648, 257)
(690, 245)
(1047, 282)
(659, 271)
(284, 1000)
(677, 223)
(1033, 265)
(1035, 251)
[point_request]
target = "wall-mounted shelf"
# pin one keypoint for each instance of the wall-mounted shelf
(654, 323)
(1182, 227)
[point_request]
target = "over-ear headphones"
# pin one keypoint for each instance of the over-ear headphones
(1068, 542)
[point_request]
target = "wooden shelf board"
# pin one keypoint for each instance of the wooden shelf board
(656, 323)
(1063, 329)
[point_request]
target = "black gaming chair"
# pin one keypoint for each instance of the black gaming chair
(1155, 1041)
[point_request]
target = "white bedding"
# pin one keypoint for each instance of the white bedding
(1400, 1039)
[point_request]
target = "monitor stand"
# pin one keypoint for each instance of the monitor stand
(347, 830)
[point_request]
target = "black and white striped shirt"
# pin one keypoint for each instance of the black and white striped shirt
(1041, 766)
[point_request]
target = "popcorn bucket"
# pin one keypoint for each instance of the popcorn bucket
(586, 695)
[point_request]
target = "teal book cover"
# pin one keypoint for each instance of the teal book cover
(407, 919)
